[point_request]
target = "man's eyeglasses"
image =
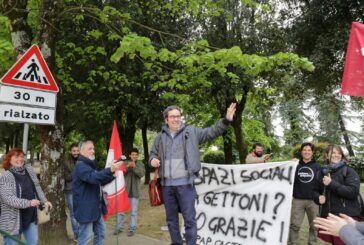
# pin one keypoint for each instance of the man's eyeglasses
(174, 117)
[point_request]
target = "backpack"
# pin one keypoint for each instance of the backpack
(359, 197)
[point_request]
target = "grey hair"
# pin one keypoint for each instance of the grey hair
(170, 108)
(83, 143)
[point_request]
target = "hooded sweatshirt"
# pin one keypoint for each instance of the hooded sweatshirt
(305, 179)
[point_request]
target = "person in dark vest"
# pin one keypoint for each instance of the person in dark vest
(20, 194)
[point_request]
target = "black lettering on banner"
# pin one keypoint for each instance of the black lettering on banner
(225, 176)
(219, 176)
(225, 193)
(257, 201)
(280, 196)
(282, 228)
(201, 219)
(261, 228)
(204, 240)
(232, 227)
(277, 173)
(209, 199)
(242, 228)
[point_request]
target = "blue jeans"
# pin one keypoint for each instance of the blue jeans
(30, 235)
(183, 198)
(85, 231)
(133, 216)
(74, 222)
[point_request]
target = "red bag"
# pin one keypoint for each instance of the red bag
(155, 190)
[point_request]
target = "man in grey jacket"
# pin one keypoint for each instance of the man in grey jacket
(176, 153)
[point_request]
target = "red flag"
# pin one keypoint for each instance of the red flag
(353, 78)
(116, 194)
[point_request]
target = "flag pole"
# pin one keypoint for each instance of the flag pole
(116, 206)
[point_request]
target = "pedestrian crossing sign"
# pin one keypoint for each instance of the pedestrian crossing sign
(31, 71)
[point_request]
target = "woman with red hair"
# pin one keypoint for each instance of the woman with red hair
(20, 194)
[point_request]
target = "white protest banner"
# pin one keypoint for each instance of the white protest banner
(247, 204)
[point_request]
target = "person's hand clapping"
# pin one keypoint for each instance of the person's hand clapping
(34, 202)
(331, 225)
(114, 167)
(155, 163)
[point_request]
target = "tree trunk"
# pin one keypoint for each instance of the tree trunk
(7, 145)
(237, 124)
(228, 149)
(51, 137)
(16, 140)
(128, 133)
(51, 173)
(346, 136)
(146, 154)
(21, 34)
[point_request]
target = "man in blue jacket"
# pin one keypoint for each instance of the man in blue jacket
(88, 201)
(176, 152)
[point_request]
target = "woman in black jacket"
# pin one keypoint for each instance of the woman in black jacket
(337, 190)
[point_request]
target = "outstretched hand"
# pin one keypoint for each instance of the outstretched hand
(230, 112)
(331, 225)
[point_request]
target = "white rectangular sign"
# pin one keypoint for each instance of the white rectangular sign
(26, 114)
(244, 204)
(18, 95)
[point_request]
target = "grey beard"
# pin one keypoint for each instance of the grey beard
(92, 157)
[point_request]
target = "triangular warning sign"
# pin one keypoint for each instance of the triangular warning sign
(31, 71)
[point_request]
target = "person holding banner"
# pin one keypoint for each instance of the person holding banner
(304, 183)
(20, 194)
(340, 186)
(176, 153)
(348, 229)
(257, 155)
(88, 201)
(134, 172)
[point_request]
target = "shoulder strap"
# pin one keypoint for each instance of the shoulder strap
(345, 171)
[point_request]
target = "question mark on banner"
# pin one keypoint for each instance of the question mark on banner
(280, 196)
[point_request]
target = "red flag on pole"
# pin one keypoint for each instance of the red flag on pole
(116, 194)
(353, 78)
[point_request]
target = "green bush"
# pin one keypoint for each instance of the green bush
(358, 164)
(214, 157)
(317, 155)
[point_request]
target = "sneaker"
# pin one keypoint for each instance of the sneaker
(118, 231)
(131, 233)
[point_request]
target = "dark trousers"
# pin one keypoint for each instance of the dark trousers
(181, 198)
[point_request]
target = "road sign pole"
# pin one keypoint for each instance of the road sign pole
(25, 138)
